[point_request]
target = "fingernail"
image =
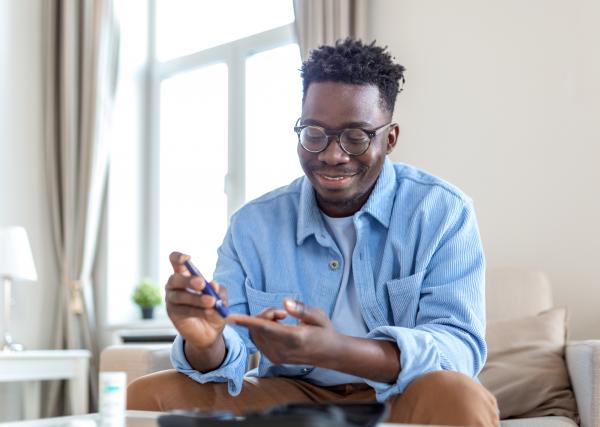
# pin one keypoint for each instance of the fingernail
(292, 305)
(183, 258)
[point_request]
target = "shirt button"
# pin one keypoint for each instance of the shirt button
(305, 370)
(334, 264)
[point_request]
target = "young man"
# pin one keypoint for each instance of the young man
(362, 280)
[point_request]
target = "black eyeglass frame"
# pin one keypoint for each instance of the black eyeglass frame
(337, 133)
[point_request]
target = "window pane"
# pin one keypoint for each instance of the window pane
(187, 26)
(193, 164)
(273, 103)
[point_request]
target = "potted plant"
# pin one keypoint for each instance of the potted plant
(147, 296)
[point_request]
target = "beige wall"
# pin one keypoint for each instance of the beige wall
(503, 99)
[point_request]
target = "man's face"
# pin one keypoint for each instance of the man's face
(342, 182)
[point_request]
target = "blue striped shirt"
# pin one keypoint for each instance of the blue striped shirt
(418, 267)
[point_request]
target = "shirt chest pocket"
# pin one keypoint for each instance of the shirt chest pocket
(404, 297)
(259, 300)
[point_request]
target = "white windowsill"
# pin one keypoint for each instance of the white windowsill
(153, 324)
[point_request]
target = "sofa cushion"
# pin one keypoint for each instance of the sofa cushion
(539, 422)
(136, 359)
(511, 293)
(526, 368)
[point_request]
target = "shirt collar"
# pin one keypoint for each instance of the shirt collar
(379, 204)
(309, 214)
(381, 200)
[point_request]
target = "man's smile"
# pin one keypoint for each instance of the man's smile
(335, 182)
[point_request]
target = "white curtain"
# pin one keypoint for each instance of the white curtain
(81, 55)
(320, 22)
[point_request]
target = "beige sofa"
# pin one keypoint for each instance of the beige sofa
(511, 294)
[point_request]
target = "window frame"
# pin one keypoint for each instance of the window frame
(234, 55)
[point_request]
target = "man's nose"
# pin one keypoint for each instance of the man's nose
(333, 153)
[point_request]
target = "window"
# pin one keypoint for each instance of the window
(272, 87)
(192, 164)
(223, 94)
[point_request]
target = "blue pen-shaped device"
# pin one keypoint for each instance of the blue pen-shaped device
(208, 289)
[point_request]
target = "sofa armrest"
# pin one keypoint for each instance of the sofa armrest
(583, 363)
(136, 359)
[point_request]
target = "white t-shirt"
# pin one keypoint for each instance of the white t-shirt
(346, 318)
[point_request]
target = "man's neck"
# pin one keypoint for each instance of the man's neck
(345, 209)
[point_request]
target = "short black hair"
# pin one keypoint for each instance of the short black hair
(352, 61)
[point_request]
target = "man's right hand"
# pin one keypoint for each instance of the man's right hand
(194, 316)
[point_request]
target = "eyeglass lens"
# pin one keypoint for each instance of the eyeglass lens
(353, 141)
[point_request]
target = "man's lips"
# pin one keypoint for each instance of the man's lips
(339, 173)
(334, 179)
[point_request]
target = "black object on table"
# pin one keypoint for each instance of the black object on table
(360, 414)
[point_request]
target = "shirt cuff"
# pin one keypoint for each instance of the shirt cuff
(418, 355)
(232, 369)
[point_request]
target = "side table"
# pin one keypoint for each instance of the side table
(34, 366)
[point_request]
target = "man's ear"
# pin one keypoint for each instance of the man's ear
(392, 137)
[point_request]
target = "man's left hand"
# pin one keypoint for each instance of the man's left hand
(311, 342)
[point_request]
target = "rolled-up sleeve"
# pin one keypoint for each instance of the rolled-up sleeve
(450, 321)
(232, 369)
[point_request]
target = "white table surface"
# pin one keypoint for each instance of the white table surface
(133, 419)
(32, 366)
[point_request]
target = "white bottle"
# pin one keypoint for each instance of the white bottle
(112, 391)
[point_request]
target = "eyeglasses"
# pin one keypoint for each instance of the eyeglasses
(353, 141)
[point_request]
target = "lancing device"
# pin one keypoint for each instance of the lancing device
(208, 289)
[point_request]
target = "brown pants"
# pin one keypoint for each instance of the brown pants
(444, 398)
